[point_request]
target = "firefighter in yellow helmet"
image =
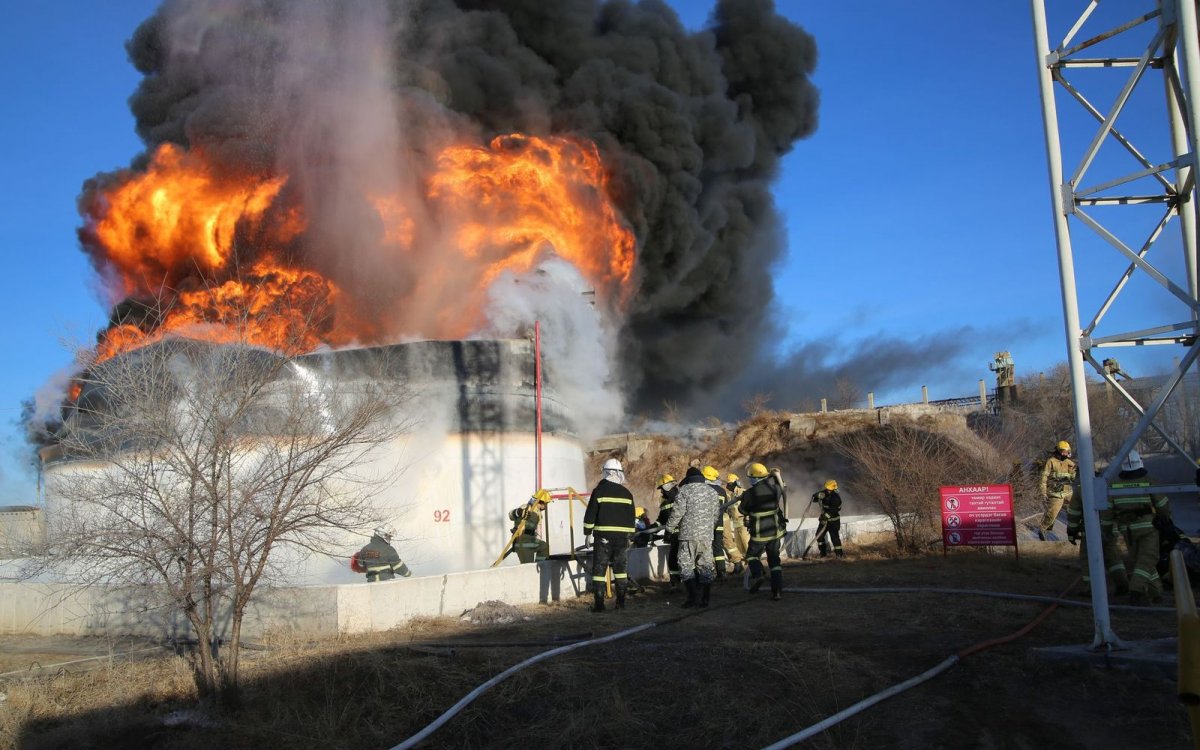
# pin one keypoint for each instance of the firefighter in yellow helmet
(831, 518)
(641, 537)
(735, 539)
(667, 490)
(712, 477)
(526, 519)
(763, 504)
(1059, 475)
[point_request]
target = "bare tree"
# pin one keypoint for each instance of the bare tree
(756, 404)
(900, 468)
(187, 468)
(849, 394)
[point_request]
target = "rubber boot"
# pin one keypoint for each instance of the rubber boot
(598, 606)
(823, 548)
(620, 598)
(674, 582)
(691, 589)
(757, 582)
(776, 584)
(705, 590)
(1120, 582)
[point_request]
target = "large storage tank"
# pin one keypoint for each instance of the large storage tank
(470, 457)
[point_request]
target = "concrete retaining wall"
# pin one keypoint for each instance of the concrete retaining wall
(330, 610)
(314, 611)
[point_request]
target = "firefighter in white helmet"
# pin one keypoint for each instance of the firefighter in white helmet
(1059, 475)
(379, 559)
(610, 519)
(1134, 517)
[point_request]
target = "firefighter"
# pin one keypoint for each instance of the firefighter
(735, 538)
(713, 478)
(831, 518)
(1134, 517)
(526, 519)
(693, 516)
(666, 490)
(641, 537)
(379, 559)
(762, 505)
(1059, 475)
(610, 517)
(1108, 541)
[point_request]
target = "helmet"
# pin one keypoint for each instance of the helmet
(541, 496)
(612, 464)
(639, 511)
(665, 479)
(731, 478)
(710, 473)
(385, 532)
(831, 484)
(1132, 462)
(1063, 446)
(756, 471)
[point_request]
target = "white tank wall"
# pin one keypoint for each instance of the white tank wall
(450, 506)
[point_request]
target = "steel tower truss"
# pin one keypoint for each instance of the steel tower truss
(1172, 55)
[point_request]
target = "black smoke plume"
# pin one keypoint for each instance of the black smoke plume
(693, 125)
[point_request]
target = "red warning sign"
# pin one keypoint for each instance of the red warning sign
(980, 516)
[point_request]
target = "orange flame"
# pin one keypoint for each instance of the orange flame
(524, 194)
(177, 217)
(182, 225)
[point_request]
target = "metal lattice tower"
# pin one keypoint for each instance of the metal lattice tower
(1159, 42)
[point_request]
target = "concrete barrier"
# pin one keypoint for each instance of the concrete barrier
(315, 611)
(329, 610)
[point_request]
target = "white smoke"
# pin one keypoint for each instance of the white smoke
(579, 346)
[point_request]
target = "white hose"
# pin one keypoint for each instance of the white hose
(821, 726)
(844, 714)
(449, 714)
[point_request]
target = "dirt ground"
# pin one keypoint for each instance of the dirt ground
(743, 673)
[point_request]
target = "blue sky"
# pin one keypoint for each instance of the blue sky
(918, 212)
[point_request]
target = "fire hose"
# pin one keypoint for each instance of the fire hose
(471, 696)
(821, 726)
(929, 674)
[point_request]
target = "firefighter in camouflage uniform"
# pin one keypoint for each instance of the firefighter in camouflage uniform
(762, 504)
(693, 516)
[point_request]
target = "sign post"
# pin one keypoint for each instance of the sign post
(979, 516)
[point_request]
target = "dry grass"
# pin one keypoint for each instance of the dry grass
(744, 673)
